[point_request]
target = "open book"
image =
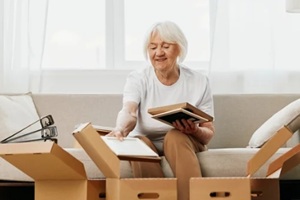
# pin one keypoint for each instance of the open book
(129, 147)
(104, 149)
(168, 114)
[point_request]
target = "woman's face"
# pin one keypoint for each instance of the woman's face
(163, 55)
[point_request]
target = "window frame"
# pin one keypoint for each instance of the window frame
(104, 80)
(115, 46)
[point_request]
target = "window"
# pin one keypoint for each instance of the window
(75, 35)
(99, 34)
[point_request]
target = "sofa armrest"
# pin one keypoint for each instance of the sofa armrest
(294, 124)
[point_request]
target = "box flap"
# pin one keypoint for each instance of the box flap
(284, 163)
(99, 152)
(106, 160)
(43, 161)
(268, 150)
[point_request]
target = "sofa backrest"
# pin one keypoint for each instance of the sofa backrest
(69, 110)
(236, 116)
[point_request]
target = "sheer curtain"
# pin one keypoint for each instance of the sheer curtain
(24, 23)
(255, 47)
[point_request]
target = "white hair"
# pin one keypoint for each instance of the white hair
(171, 33)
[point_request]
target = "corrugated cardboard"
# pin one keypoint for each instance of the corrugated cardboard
(220, 188)
(269, 187)
(141, 188)
(284, 163)
(118, 188)
(264, 188)
(56, 173)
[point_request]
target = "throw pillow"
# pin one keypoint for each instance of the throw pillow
(273, 124)
(17, 112)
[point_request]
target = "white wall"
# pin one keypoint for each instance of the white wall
(84, 82)
(1, 40)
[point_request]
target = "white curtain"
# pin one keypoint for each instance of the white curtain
(255, 47)
(24, 23)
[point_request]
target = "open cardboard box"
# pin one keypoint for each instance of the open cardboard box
(118, 188)
(249, 187)
(56, 173)
(269, 187)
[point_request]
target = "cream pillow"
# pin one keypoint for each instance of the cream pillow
(17, 112)
(273, 124)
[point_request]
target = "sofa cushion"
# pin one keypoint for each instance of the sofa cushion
(233, 162)
(274, 123)
(17, 112)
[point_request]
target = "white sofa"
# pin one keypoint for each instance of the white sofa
(236, 119)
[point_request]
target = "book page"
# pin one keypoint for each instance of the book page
(128, 147)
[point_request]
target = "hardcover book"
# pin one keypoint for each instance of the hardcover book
(168, 114)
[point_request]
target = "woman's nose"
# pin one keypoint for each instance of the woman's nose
(159, 51)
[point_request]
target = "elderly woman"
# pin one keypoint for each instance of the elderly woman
(166, 81)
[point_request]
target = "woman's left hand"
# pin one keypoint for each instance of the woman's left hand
(186, 126)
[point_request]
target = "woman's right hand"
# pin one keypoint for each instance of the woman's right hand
(116, 133)
(126, 121)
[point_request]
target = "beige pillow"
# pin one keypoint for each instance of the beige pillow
(274, 123)
(17, 112)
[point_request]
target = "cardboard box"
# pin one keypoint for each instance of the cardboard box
(248, 187)
(56, 173)
(118, 188)
(227, 188)
(265, 188)
(269, 187)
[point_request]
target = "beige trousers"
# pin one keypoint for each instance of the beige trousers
(180, 151)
